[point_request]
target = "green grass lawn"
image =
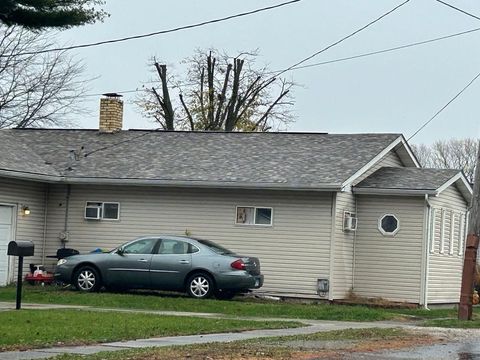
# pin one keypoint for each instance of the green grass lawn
(42, 328)
(154, 301)
(238, 307)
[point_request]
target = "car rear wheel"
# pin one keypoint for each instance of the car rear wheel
(200, 286)
(87, 279)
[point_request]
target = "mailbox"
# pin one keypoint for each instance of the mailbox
(20, 248)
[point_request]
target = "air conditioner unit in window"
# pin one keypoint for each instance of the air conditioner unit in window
(349, 221)
(92, 212)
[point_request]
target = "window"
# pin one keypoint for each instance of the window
(168, 247)
(142, 246)
(388, 224)
(102, 210)
(250, 215)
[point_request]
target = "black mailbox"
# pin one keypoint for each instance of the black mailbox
(20, 248)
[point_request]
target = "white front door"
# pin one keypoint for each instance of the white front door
(6, 227)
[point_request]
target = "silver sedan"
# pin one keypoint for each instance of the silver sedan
(201, 268)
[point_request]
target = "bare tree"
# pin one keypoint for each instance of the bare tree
(36, 90)
(449, 154)
(219, 93)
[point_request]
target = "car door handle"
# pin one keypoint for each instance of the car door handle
(184, 262)
(143, 260)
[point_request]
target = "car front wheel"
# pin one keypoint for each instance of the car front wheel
(87, 279)
(200, 286)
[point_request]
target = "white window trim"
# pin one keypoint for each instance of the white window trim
(383, 232)
(442, 232)
(103, 210)
(452, 231)
(461, 234)
(254, 215)
(432, 228)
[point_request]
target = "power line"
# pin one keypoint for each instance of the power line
(353, 57)
(342, 39)
(458, 9)
(445, 106)
(386, 50)
(161, 32)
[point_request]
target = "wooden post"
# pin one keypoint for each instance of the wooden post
(470, 260)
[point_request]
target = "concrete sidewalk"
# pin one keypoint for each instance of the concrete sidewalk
(311, 326)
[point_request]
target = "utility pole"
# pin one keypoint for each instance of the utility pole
(470, 260)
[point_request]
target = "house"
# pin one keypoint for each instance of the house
(326, 214)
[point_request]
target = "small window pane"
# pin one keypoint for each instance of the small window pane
(91, 212)
(110, 211)
(263, 216)
(389, 224)
(245, 215)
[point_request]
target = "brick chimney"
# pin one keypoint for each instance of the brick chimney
(111, 113)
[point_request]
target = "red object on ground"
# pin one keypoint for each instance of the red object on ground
(45, 278)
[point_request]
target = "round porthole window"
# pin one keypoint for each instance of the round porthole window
(388, 224)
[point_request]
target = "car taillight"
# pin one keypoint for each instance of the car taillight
(238, 265)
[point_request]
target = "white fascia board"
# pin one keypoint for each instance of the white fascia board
(201, 184)
(399, 141)
(404, 192)
(410, 152)
(23, 175)
(467, 190)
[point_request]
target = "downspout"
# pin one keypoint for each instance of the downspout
(354, 243)
(67, 207)
(45, 213)
(426, 249)
(333, 216)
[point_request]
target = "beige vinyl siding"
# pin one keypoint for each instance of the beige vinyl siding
(389, 266)
(391, 159)
(294, 252)
(31, 194)
(343, 263)
(344, 241)
(445, 270)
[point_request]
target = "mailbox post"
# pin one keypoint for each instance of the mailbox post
(20, 249)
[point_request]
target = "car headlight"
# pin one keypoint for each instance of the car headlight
(61, 262)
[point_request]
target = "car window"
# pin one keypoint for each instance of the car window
(215, 247)
(168, 246)
(142, 246)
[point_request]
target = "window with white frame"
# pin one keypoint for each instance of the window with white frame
(253, 215)
(388, 224)
(96, 210)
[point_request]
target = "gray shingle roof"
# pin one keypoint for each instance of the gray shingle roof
(293, 160)
(396, 178)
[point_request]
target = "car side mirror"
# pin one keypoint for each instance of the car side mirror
(120, 251)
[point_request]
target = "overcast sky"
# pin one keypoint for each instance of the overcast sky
(392, 92)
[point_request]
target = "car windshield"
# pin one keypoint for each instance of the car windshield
(215, 247)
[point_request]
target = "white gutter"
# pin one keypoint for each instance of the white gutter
(384, 191)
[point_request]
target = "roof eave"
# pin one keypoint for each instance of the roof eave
(202, 184)
(28, 176)
(398, 142)
(386, 191)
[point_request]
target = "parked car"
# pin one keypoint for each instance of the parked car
(201, 268)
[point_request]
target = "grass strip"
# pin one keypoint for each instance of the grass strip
(43, 328)
(153, 301)
(280, 348)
